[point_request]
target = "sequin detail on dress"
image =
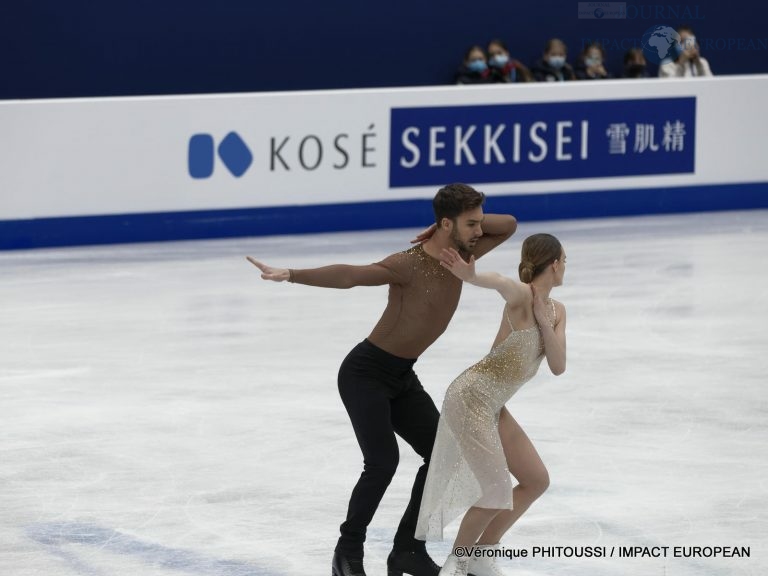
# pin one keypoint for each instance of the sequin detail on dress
(468, 467)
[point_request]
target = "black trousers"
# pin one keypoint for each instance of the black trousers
(383, 397)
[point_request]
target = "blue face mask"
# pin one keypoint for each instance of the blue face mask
(499, 61)
(556, 62)
(589, 62)
(477, 66)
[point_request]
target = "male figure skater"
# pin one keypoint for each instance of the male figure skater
(380, 390)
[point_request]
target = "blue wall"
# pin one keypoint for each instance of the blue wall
(55, 48)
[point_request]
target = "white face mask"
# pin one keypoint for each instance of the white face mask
(556, 62)
(499, 61)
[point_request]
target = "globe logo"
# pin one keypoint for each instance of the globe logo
(599, 13)
(661, 44)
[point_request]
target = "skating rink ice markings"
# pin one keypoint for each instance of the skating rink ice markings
(167, 412)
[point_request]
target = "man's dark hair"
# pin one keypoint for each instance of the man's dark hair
(455, 199)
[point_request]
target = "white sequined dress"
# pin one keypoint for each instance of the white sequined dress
(468, 467)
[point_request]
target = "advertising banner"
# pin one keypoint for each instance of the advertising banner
(130, 169)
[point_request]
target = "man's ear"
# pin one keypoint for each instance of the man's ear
(446, 224)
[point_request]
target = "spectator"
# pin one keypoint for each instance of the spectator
(635, 65)
(502, 67)
(474, 68)
(553, 67)
(591, 63)
(689, 62)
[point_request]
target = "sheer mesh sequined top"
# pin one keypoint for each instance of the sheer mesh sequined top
(419, 306)
(468, 466)
(422, 297)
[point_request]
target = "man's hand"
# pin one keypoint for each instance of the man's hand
(269, 273)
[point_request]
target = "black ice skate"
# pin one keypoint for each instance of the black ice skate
(415, 563)
(346, 566)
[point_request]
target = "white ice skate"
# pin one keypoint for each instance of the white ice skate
(454, 566)
(484, 563)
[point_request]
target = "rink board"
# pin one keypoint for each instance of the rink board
(91, 171)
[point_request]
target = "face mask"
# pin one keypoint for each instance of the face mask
(556, 62)
(689, 43)
(591, 61)
(477, 66)
(499, 61)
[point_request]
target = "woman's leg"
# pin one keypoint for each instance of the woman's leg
(526, 466)
(474, 426)
(474, 523)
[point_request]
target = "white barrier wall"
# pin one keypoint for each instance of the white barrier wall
(246, 164)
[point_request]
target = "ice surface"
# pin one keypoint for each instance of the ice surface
(165, 411)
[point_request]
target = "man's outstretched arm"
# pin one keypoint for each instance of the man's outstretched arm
(333, 276)
(496, 229)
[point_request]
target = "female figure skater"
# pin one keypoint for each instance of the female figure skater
(478, 442)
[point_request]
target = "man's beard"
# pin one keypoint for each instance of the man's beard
(462, 246)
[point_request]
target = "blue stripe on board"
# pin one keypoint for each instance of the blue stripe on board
(164, 226)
